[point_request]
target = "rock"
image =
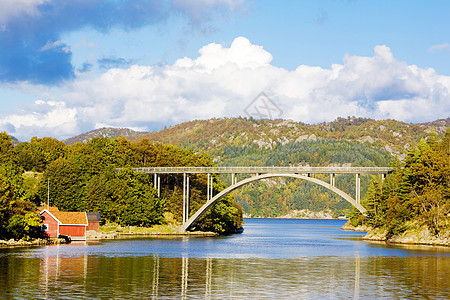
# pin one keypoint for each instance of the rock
(301, 138)
(283, 140)
(307, 214)
(417, 234)
(368, 139)
(312, 137)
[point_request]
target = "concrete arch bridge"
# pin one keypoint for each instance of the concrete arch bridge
(259, 173)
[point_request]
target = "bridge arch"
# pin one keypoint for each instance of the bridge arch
(198, 214)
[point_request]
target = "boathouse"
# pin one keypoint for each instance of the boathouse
(68, 223)
(93, 221)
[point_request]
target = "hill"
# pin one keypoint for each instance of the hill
(214, 134)
(345, 141)
(103, 132)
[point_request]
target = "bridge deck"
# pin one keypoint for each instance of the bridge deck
(273, 170)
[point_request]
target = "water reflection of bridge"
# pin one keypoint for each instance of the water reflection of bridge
(181, 278)
(259, 173)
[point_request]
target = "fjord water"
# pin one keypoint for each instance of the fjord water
(273, 258)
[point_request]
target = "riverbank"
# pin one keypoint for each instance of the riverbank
(305, 214)
(110, 231)
(33, 242)
(416, 234)
(116, 231)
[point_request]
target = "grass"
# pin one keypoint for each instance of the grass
(157, 229)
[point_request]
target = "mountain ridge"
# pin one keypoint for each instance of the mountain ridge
(208, 135)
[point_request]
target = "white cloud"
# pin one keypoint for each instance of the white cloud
(56, 45)
(440, 47)
(222, 81)
(10, 9)
(41, 119)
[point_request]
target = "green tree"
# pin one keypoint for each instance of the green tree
(38, 153)
(24, 226)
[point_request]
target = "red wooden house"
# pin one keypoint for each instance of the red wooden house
(68, 223)
(94, 220)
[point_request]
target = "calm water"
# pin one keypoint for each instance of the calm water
(296, 259)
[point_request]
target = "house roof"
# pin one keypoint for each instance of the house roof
(71, 217)
(68, 217)
(50, 209)
(93, 217)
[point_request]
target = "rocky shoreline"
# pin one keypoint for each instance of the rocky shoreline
(92, 236)
(34, 242)
(302, 214)
(415, 235)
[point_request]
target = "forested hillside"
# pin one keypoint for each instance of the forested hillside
(346, 141)
(82, 177)
(246, 142)
(215, 134)
(103, 132)
(416, 194)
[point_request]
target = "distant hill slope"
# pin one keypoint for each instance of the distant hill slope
(244, 142)
(103, 132)
(214, 134)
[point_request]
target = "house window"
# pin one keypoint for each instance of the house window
(44, 227)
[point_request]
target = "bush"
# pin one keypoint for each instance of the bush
(24, 227)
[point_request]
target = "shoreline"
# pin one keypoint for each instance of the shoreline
(417, 235)
(108, 235)
(303, 214)
(11, 243)
(118, 235)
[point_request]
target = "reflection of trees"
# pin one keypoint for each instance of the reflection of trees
(159, 277)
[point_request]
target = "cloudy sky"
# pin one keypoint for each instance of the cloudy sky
(70, 66)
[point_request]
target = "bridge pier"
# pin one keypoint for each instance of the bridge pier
(233, 178)
(209, 187)
(211, 192)
(333, 179)
(157, 184)
(358, 188)
(185, 198)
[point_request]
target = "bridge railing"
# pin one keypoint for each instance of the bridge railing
(235, 170)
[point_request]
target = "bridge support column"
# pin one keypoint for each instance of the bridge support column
(358, 188)
(188, 200)
(211, 188)
(333, 179)
(157, 184)
(207, 189)
(383, 176)
(185, 198)
(233, 178)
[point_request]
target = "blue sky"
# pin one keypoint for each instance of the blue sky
(67, 67)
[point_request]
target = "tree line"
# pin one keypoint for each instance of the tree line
(83, 177)
(418, 191)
